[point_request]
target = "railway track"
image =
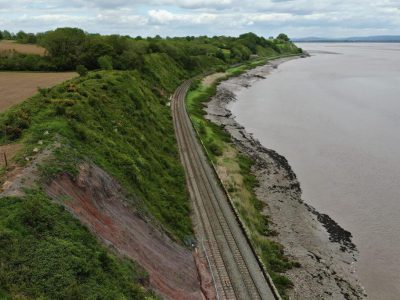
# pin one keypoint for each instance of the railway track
(235, 269)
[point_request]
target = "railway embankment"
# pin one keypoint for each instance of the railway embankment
(323, 253)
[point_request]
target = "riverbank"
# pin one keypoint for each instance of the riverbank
(324, 249)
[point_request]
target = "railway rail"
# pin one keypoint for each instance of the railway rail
(234, 266)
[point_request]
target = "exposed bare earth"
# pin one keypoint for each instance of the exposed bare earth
(9, 46)
(7, 152)
(17, 86)
(99, 203)
(323, 248)
(208, 80)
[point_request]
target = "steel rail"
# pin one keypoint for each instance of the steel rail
(238, 274)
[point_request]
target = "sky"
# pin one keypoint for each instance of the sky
(297, 18)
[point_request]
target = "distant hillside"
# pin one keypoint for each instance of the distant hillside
(362, 39)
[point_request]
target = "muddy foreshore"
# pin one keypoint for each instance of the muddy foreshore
(324, 249)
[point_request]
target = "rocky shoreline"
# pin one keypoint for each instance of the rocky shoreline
(325, 250)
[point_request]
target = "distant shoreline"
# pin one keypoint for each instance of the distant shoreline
(354, 39)
(350, 42)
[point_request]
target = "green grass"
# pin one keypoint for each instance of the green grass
(46, 254)
(120, 121)
(211, 135)
(241, 182)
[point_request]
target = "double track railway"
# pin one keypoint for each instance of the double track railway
(235, 269)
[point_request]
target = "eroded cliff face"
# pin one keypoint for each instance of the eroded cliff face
(98, 202)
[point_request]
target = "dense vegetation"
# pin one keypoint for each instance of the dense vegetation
(46, 254)
(118, 119)
(68, 48)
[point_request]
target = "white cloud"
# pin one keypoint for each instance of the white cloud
(161, 16)
(187, 17)
(202, 3)
(165, 17)
(271, 17)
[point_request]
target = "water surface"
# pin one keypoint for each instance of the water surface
(336, 118)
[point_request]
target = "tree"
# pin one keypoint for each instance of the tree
(220, 54)
(26, 38)
(81, 70)
(7, 35)
(21, 36)
(31, 38)
(93, 48)
(105, 62)
(140, 47)
(64, 46)
(155, 47)
(283, 37)
(118, 43)
(129, 60)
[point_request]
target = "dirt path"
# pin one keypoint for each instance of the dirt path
(210, 79)
(15, 87)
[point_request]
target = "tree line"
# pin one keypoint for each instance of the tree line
(21, 36)
(72, 48)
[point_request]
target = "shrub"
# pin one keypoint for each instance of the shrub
(215, 149)
(220, 69)
(105, 62)
(81, 70)
(35, 217)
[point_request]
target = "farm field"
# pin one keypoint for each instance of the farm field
(6, 46)
(17, 86)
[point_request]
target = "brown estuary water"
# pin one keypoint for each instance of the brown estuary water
(336, 117)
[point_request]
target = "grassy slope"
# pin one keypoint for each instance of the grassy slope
(123, 124)
(47, 254)
(239, 181)
(120, 121)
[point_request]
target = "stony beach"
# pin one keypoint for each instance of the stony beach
(325, 250)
